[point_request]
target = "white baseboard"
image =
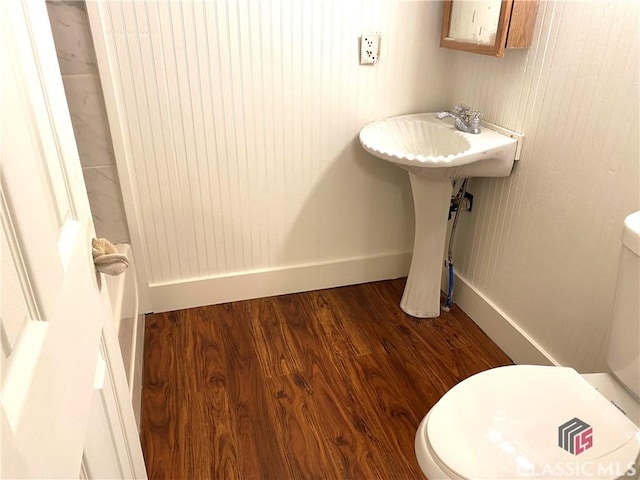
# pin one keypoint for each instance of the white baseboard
(502, 329)
(266, 283)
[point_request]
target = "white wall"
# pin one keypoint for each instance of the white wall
(279, 185)
(237, 131)
(542, 245)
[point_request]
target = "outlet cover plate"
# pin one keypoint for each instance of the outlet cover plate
(369, 48)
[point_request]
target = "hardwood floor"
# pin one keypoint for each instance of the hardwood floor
(328, 384)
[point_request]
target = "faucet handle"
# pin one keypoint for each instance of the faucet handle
(461, 108)
(474, 117)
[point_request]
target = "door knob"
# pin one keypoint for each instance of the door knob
(106, 257)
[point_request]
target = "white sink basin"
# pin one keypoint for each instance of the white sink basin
(434, 153)
(427, 146)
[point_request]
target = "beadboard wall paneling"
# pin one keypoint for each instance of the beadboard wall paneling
(543, 244)
(235, 128)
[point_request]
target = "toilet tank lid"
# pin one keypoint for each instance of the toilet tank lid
(631, 232)
(506, 422)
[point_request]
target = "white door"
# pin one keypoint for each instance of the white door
(56, 331)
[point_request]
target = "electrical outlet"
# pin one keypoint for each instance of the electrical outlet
(369, 48)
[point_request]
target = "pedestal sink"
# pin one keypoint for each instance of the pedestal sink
(434, 153)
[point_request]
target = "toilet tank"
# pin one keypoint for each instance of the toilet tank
(623, 349)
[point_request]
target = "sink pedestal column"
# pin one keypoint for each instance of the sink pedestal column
(431, 199)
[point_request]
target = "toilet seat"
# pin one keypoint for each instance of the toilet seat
(503, 423)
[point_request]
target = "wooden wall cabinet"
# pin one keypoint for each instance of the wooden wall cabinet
(463, 22)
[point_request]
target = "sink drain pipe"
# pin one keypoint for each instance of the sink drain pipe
(457, 202)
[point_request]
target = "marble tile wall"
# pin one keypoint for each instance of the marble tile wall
(72, 37)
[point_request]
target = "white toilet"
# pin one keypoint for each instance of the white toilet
(526, 421)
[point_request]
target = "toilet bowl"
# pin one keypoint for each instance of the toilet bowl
(526, 421)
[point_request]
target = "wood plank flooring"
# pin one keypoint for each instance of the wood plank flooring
(328, 384)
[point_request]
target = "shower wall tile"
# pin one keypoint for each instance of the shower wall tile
(105, 199)
(70, 27)
(76, 56)
(89, 120)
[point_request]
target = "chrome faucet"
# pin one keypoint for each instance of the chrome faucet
(466, 120)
